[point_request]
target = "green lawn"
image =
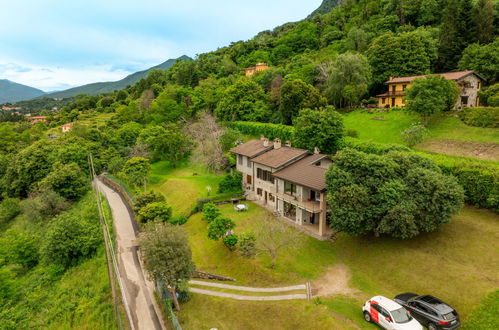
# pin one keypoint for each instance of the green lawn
(461, 254)
(184, 184)
(389, 130)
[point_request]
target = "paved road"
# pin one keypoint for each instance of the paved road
(139, 290)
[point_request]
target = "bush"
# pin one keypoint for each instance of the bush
(43, 205)
(247, 245)
(9, 209)
(231, 183)
(271, 131)
(230, 241)
(147, 198)
(371, 147)
(220, 227)
(157, 211)
(415, 134)
(19, 248)
(210, 212)
(67, 180)
(178, 220)
(480, 117)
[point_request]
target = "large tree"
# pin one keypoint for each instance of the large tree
(484, 15)
(136, 171)
(296, 95)
(484, 59)
(166, 142)
(346, 79)
(397, 194)
(450, 42)
(321, 128)
(430, 95)
(167, 255)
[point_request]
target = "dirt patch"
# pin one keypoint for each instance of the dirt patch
(480, 150)
(333, 282)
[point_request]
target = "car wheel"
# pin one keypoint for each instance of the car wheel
(432, 326)
(367, 317)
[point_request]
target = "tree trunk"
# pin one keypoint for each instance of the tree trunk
(176, 305)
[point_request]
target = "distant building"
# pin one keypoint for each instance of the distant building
(37, 119)
(286, 180)
(67, 127)
(261, 66)
(469, 83)
(8, 108)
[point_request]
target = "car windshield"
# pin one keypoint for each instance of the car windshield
(401, 315)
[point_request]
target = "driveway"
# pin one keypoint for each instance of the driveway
(139, 291)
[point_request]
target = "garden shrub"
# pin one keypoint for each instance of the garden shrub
(247, 245)
(157, 211)
(230, 241)
(220, 227)
(271, 131)
(415, 134)
(147, 198)
(371, 147)
(231, 183)
(210, 212)
(353, 133)
(178, 220)
(480, 116)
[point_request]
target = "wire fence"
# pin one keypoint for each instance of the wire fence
(167, 302)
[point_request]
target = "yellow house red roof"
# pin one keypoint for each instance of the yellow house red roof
(447, 75)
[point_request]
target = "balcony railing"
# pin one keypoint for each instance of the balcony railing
(311, 206)
(392, 94)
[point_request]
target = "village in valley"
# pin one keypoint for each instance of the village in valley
(337, 172)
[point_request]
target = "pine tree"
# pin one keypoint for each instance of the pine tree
(484, 15)
(466, 23)
(450, 42)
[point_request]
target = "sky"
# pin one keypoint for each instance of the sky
(58, 44)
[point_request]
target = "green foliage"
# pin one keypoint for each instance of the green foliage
(230, 183)
(142, 200)
(490, 95)
(296, 95)
(371, 147)
(220, 227)
(166, 142)
(243, 100)
(178, 220)
(397, 194)
(156, 211)
(68, 180)
(483, 59)
(166, 252)
(43, 205)
(9, 209)
(415, 134)
(430, 95)
(350, 132)
(136, 170)
(210, 212)
(228, 138)
(19, 248)
(8, 284)
(484, 316)
(480, 117)
(246, 245)
(71, 238)
(230, 241)
(271, 131)
(347, 80)
(321, 128)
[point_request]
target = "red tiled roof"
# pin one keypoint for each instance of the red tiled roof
(276, 158)
(251, 148)
(304, 173)
(447, 75)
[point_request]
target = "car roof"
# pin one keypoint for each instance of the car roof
(435, 303)
(386, 303)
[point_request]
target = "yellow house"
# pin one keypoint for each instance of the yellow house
(261, 66)
(469, 83)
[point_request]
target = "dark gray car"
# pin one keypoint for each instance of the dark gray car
(430, 311)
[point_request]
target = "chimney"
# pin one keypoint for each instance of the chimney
(265, 142)
(316, 151)
(288, 143)
(277, 143)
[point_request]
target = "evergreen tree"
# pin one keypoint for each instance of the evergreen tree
(484, 15)
(466, 23)
(450, 42)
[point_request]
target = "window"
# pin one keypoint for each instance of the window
(240, 159)
(289, 188)
(464, 100)
(404, 87)
(271, 198)
(259, 191)
(249, 162)
(393, 88)
(393, 102)
(264, 175)
(383, 100)
(248, 179)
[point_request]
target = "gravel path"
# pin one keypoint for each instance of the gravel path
(250, 289)
(138, 290)
(241, 297)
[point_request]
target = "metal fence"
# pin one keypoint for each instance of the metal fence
(167, 302)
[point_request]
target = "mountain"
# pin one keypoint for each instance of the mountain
(13, 92)
(107, 87)
(326, 7)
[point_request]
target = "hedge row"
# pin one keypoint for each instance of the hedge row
(479, 179)
(271, 131)
(480, 117)
(220, 199)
